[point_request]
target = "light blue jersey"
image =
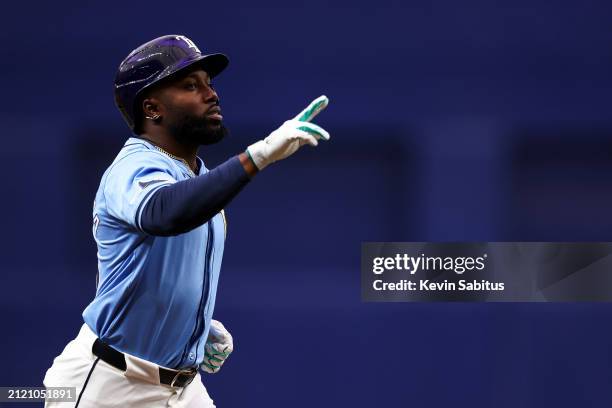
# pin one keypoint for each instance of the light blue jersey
(155, 295)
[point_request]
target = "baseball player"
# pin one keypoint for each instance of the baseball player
(159, 226)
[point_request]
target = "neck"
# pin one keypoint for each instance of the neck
(175, 148)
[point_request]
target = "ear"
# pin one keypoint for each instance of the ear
(151, 107)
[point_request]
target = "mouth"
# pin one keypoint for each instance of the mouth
(214, 113)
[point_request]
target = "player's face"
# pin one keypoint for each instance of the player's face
(191, 109)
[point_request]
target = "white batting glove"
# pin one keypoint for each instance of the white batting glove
(292, 135)
(218, 347)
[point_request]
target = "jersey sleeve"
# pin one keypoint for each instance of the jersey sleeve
(132, 181)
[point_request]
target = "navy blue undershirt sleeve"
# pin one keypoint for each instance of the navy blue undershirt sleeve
(187, 204)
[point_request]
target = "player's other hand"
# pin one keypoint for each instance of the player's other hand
(219, 346)
(292, 135)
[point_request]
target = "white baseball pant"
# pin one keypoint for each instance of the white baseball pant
(100, 385)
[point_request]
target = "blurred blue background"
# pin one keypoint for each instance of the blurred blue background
(467, 121)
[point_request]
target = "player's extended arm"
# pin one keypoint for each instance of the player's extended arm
(187, 204)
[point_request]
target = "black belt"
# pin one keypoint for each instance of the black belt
(173, 378)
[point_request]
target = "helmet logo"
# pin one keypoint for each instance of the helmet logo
(189, 42)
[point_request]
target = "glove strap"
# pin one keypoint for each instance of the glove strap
(257, 153)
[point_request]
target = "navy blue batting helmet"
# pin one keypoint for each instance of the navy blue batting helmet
(152, 62)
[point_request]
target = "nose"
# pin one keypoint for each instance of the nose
(210, 95)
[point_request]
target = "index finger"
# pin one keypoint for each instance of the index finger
(313, 109)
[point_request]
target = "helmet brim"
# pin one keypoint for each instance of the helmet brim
(213, 64)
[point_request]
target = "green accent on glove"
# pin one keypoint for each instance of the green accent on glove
(313, 109)
(212, 352)
(250, 157)
(314, 130)
(211, 367)
(212, 358)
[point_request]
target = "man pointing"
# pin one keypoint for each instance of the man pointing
(159, 226)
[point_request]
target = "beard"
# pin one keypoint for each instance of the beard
(194, 130)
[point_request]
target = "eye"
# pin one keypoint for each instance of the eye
(191, 86)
